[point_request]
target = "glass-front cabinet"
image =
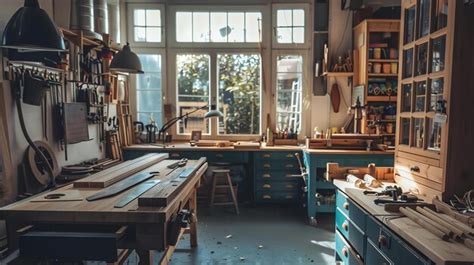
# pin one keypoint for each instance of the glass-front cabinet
(422, 101)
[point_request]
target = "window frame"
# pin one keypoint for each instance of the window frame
(173, 43)
(308, 27)
(172, 92)
(131, 7)
(134, 78)
(306, 88)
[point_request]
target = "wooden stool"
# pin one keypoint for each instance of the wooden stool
(221, 179)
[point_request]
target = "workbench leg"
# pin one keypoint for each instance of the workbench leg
(193, 226)
(145, 256)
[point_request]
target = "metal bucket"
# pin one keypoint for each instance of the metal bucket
(101, 20)
(82, 18)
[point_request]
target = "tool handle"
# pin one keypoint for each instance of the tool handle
(415, 218)
(445, 208)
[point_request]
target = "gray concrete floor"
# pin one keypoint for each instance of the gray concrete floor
(259, 235)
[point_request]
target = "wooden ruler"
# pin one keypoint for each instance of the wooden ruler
(116, 173)
(136, 192)
(165, 193)
(120, 186)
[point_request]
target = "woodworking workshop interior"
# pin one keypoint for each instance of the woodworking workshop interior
(224, 132)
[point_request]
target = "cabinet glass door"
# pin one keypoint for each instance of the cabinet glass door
(423, 18)
(409, 25)
(436, 95)
(405, 131)
(438, 47)
(439, 15)
(407, 63)
(434, 135)
(420, 96)
(421, 59)
(406, 98)
(418, 132)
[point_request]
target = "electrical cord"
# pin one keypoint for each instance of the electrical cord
(467, 201)
(27, 136)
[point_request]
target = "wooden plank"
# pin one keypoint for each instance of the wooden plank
(6, 169)
(162, 195)
(439, 251)
(111, 175)
(120, 186)
(63, 196)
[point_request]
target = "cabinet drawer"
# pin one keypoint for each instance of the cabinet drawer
(291, 186)
(419, 169)
(277, 165)
(270, 196)
(391, 245)
(351, 210)
(351, 232)
(289, 156)
(373, 256)
(276, 175)
(345, 252)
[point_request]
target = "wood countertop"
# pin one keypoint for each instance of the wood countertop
(185, 146)
(439, 251)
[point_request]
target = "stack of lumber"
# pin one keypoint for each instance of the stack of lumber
(114, 174)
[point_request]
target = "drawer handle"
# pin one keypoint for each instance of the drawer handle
(415, 169)
(267, 165)
(289, 186)
(289, 197)
(346, 205)
(290, 156)
(266, 155)
(267, 186)
(383, 241)
(174, 155)
(345, 251)
(289, 166)
(345, 226)
(266, 197)
(220, 155)
(266, 176)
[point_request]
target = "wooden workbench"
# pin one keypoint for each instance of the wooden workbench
(145, 226)
(437, 250)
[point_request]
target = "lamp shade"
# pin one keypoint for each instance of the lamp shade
(30, 28)
(213, 113)
(126, 61)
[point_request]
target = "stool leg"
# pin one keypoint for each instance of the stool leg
(234, 197)
(214, 181)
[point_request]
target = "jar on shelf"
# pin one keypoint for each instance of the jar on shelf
(386, 68)
(394, 68)
(377, 68)
(377, 53)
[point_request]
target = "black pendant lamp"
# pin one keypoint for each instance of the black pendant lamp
(30, 28)
(126, 61)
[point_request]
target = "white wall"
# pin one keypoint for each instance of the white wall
(322, 114)
(33, 118)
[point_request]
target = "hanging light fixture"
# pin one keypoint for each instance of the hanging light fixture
(30, 28)
(126, 61)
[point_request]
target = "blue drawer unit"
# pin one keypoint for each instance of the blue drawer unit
(374, 256)
(274, 177)
(351, 232)
(345, 253)
(391, 246)
(316, 163)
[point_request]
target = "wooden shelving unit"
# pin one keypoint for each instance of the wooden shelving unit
(434, 119)
(376, 56)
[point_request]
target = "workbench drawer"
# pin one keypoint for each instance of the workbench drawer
(391, 245)
(353, 234)
(266, 185)
(277, 165)
(265, 156)
(351, 210)
(279, 196)
(346, 253)
(374, 256)
(71, 243)
(277, 175)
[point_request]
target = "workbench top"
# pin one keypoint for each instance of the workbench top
(439, 251)
(36, 209)
(185, 146)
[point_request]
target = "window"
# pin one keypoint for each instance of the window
(149, 90)
(219, 27)
(193, 91)
(146, 28)
(290, 25)
(239, 93)
(289, 82)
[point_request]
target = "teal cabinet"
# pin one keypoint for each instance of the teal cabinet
(276, 177)
(320, 192)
